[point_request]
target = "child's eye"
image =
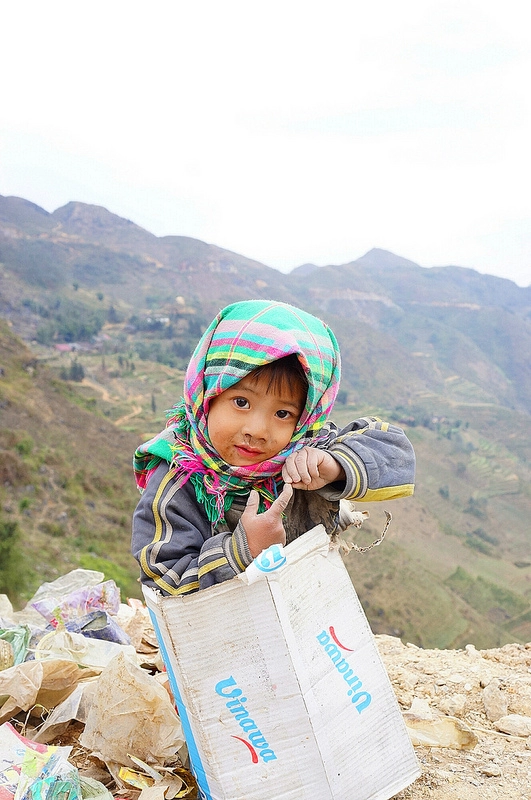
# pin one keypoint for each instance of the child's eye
(241, 402)
(283, 414)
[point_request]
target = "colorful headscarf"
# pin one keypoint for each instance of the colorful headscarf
(242, 337)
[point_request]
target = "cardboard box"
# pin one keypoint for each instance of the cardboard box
(280, 687)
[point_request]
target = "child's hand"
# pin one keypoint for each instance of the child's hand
(265, 529)
(311, 468)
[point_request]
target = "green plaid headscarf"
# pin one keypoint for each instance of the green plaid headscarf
(242, 337)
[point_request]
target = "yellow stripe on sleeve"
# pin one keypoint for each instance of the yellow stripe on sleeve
(220, 562)
(170, 588)
(387, 493)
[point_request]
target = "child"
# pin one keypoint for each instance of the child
(248, 458)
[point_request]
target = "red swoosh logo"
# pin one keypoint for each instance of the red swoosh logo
(336, 640)
(251, 748)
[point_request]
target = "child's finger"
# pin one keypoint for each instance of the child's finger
(253, 502)
(290, 473)
(280, 504)
(313, 461)
(302, 465)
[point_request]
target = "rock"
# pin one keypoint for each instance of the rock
(490, 770)
(498, 767)
(514, 724)
(439, 731)
(519, 692)
(471, 652)
(454, 705)
(495, 700)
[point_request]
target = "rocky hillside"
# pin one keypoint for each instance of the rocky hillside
(469, 715)
(110, 313)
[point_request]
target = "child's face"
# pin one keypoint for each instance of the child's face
(248, 424)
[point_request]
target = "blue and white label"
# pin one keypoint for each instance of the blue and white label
(271, 559)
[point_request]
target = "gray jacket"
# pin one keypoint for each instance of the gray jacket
(180, 551)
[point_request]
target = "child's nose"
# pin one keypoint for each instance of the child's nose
(256, 426)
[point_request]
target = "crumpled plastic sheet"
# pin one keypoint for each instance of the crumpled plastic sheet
(66, 584)
(42, 683)
(144, 721)
(74, 708)
(98, 624)
(87, 652)
(55, 590)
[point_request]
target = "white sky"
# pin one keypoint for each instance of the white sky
(290, 132)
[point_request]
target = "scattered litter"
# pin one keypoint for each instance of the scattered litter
(141, 712)
(18, 639)
(85, 651)
(78, 604)
(77, 666)
(87, 711)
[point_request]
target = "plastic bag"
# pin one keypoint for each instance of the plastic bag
(104, 596)
(57, 590)
(75, 707)
(429, 728)
(93, 790)
(131, 713)
(51, 779)
(18, 637)
(98, 625)
(87, 652)
(65, 584)
(42, 683)
(19, 754)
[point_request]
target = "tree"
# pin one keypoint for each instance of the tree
(10, 560)
(112, 315)
(77, 373)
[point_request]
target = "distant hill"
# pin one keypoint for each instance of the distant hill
(89, 246)
(445, 352)
(65, 479)
(455, 321)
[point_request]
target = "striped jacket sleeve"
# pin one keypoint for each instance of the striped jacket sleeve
(378, 460)
(172, 539)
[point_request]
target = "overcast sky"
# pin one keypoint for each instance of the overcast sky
(290, 132)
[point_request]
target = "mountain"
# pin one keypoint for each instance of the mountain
(90, 247)
(457, 322)
(111, 312)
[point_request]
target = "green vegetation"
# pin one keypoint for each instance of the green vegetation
(485, 596)
(112, 572)
(67, 321)
(10, 558)
(66, 486)
(76, 372)
(36, 263)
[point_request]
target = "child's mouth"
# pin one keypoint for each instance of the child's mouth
(248, 452)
